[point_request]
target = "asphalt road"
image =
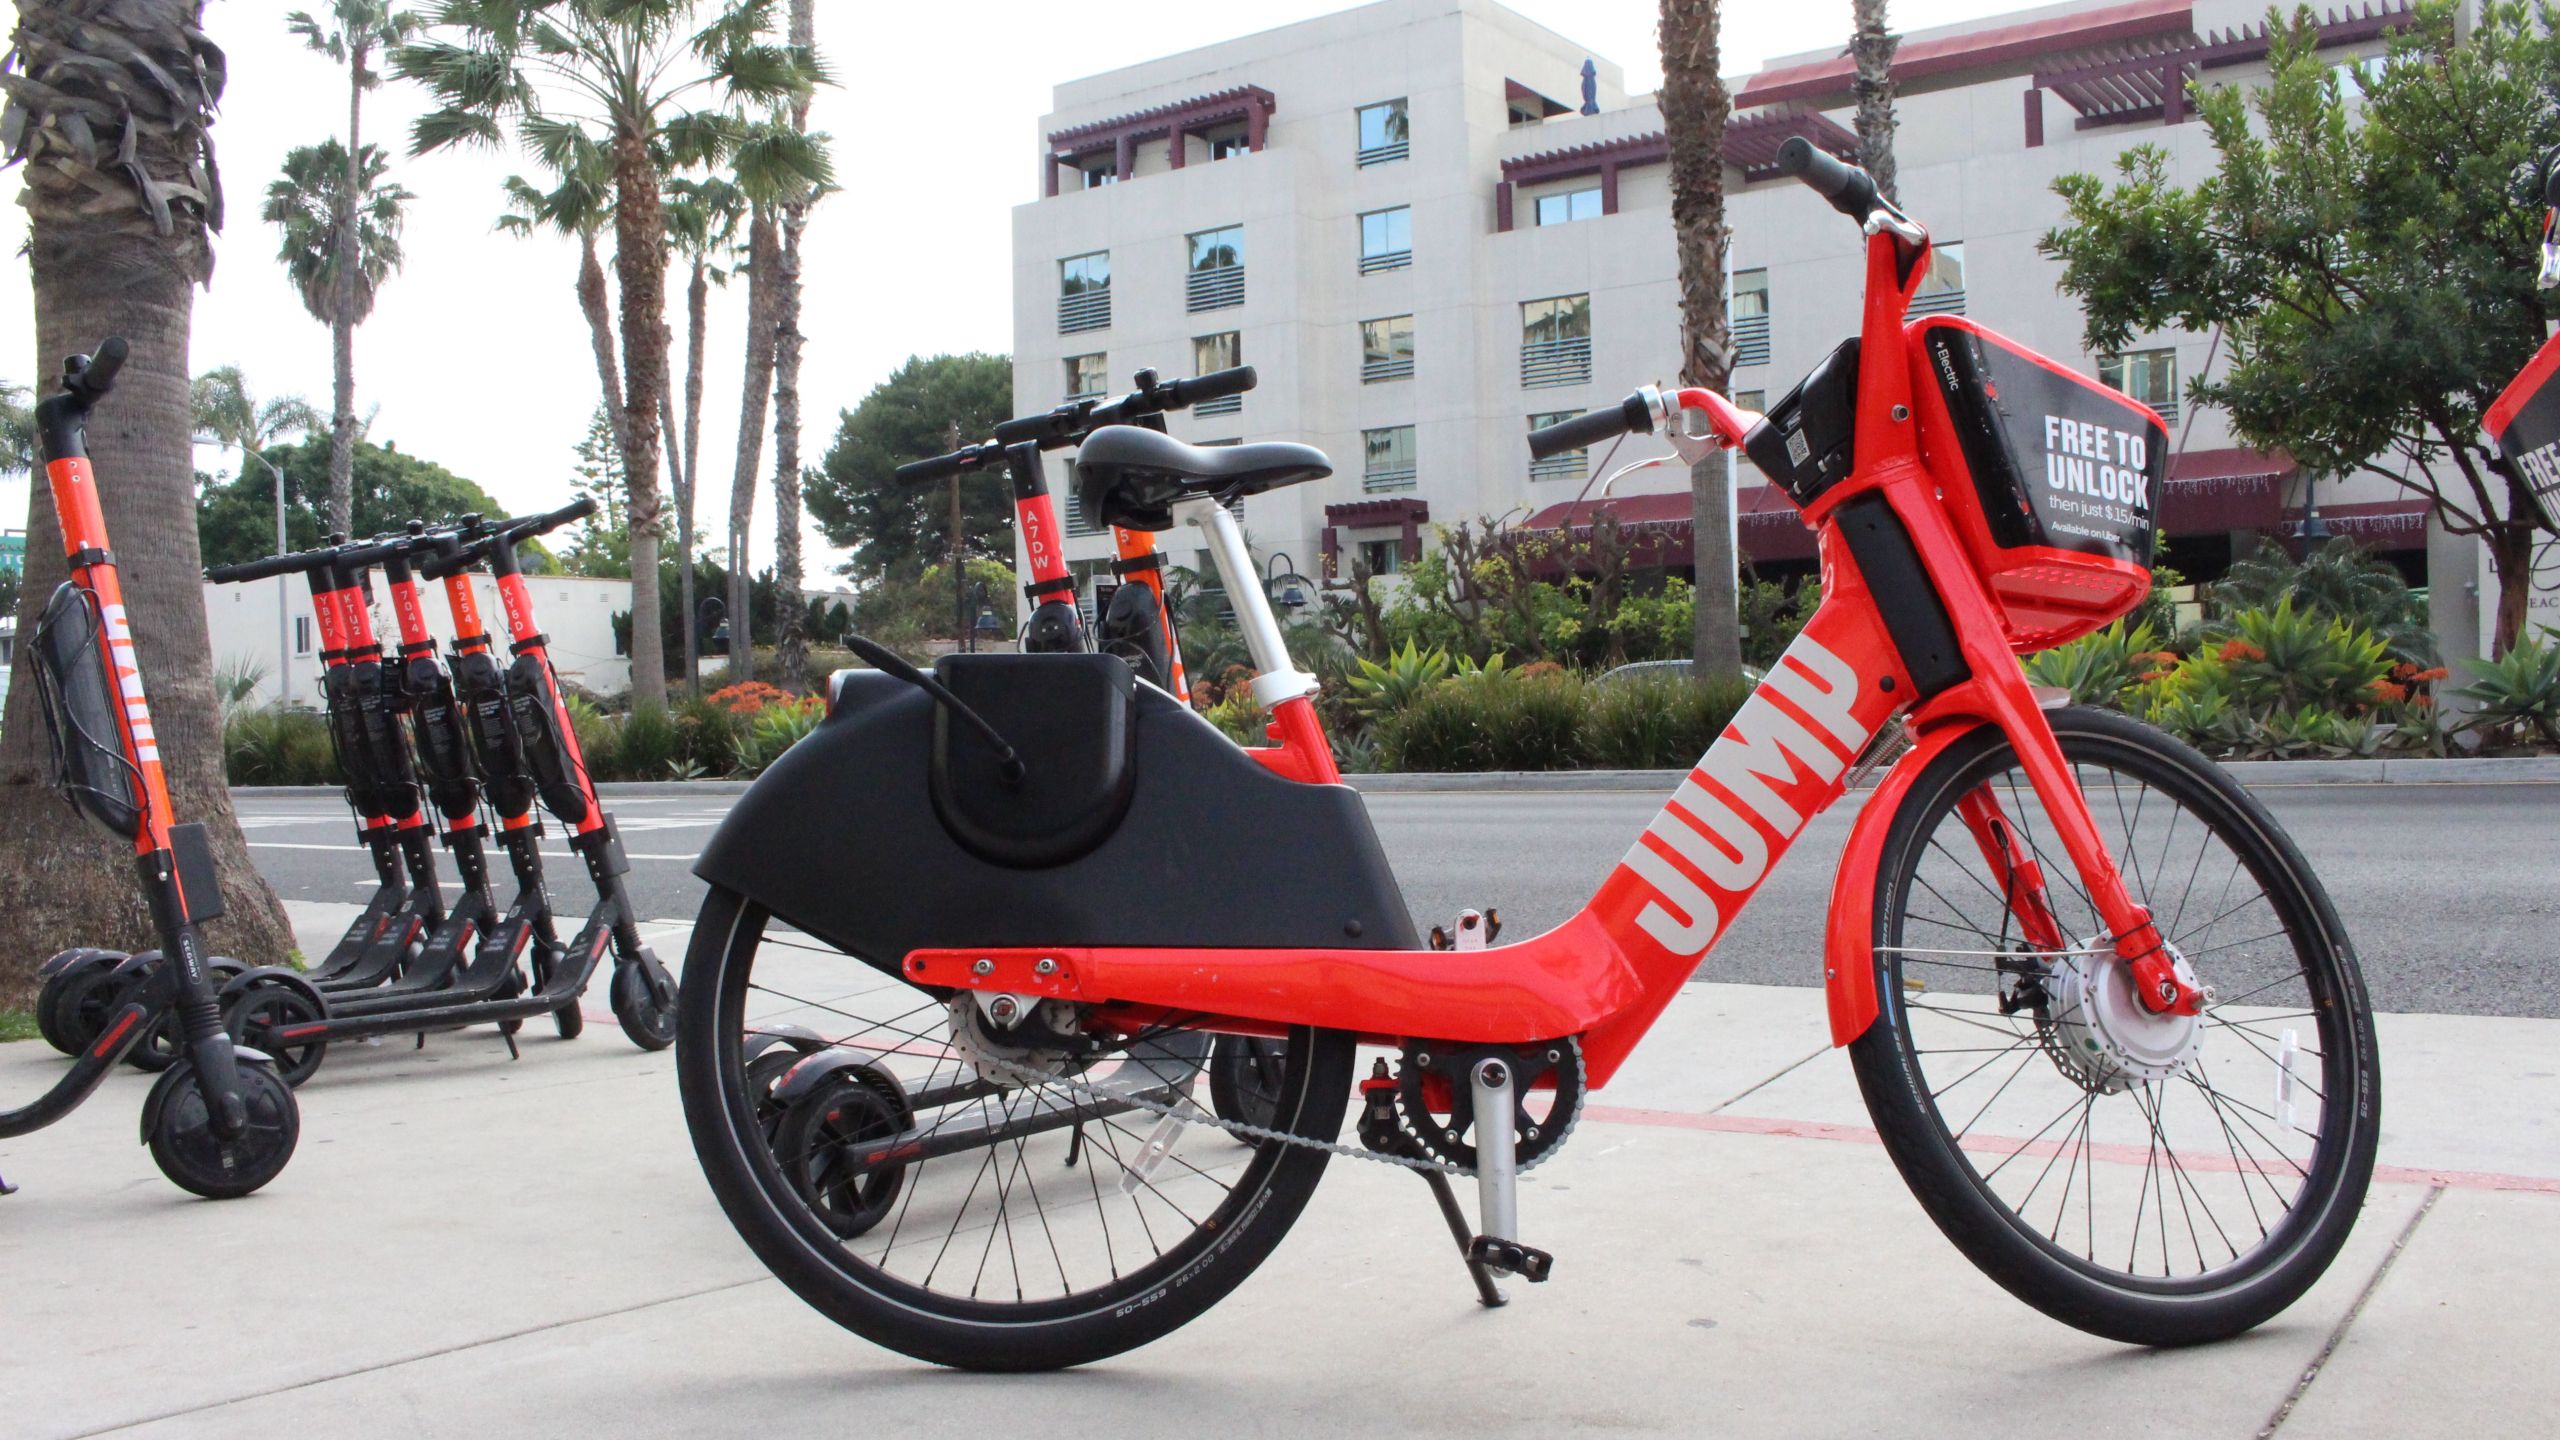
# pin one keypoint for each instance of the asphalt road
(2451, 892)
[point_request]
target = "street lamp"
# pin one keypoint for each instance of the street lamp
(1284, 586)
(2314, 529)
(284, 591)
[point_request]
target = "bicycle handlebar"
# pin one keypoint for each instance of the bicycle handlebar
(1069, 424)
(1850, 190)
(440, 543)
(1633, 416)
(92, 376)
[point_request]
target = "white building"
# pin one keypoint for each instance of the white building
(576, 614)
(1433, 224)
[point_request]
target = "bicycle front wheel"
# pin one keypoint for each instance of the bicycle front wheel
(2159, 1180)
(993, 1190)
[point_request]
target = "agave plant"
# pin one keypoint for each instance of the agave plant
(2098, 668)
(1381, 690)
(2286, 659)
(2519, 692)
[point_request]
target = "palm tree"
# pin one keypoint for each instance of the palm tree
(702, 224)
(1872, 45)
(791, 637)
(1694, 110)
(772, 165)
(579, 205)
(627, 73)
(17, 430)
(227, 414)
(109, 109)
(322, 224)
(363, 29)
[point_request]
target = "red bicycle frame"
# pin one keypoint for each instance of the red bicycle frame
(1608, 972)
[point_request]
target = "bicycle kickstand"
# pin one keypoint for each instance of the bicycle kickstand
(1380, 1132)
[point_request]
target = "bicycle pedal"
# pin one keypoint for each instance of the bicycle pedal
(1510, 1257)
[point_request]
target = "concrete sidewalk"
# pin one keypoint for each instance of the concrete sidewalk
(467, 1246)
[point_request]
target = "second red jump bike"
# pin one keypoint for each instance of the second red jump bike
(2103, 1016)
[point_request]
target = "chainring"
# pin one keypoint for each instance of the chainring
(1436, 1099)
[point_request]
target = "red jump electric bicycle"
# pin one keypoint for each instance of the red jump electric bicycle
(219, 1120)
(2102, 1014)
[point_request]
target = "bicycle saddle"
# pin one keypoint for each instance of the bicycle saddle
(1130, 477)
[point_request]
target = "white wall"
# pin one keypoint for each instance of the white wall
(575, 612)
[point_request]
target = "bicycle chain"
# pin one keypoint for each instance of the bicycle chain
(1199, 1116)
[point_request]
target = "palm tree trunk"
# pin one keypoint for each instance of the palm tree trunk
(342, 324)
(697, 311)
(1872, 45)
(1694, 109)
(596, 303)
(791, 611)
(763, 260)
(100, 270)
(640, 263)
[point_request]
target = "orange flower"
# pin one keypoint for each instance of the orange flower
(2404, 672)
(2387, 692)
(2236, 650)
(748, 697)
(2430, 675)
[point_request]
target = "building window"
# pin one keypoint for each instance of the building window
(2150, 376)
(301, 634)
(1942, 289)
(1569, 206)
(1228, 143)
(1748, 310)
(1079, 524)
(1099, 171)
(1386, 349)
(1216, 280)
(1382, 557)
(1387, 459)
(1755, 401)
(1565, 464)
(1386, 240)
(1555, 341)
(1088, 376)
(1385, 133)
(1084, 292)
(1211, 353)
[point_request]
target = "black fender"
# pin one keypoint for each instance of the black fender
(815, 1071)
(798, 1037)
(284, 975)
(75, 957)
(182, 1073)
(840, 838)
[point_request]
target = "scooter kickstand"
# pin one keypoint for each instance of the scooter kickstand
(1498, 1177)
(1380, 1132)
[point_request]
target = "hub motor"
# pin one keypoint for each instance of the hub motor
(1003, 1036)
(2098, 1030)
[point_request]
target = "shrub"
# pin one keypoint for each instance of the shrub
(748, 697)
(1379, 690)
(1530, 724)
(2284, 659)
(274, 746)
(647, 748)
(1657, 722)
(1441, 729)
(2098, 668)
(707, 737)
(1237, 715)
(2518, 693)
(777, 728)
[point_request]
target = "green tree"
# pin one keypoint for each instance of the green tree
(110, 113)
(344, 180)
(236, 518)
(17, 430)
(2369, 260)
(601, 545)
(702, 223)
(645, 81)
(910, 415)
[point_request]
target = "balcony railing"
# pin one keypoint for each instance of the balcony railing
(1381, 154)
(1555, 362)
(1941, 302)
(1565, 465)
(1394, 477)
(1392, 367)
(1220, 287)
(1386, 260)
(1751, 340)
(1223, 405)
(1084, 310)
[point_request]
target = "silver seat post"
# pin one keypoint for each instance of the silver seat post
(1278, 678)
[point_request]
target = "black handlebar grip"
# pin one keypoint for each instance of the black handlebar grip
(917, 472)
(1850, 190)
(98, 376)
(248, 570)
(1216, 385)
(526, 528)
(1633, 416)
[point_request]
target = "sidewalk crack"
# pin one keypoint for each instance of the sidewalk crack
(2338, 1334)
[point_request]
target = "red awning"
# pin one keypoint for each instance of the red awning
(2231, 489)
(2380, 524)
(1658, 525)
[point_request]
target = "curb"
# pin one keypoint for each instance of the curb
(2508, 770)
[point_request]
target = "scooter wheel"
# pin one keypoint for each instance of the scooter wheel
(569, 1020)
(198, 1160)
(1245, 1077)
(650, 1025)
(260, 1017)
(820, 1142)
(74, 1007)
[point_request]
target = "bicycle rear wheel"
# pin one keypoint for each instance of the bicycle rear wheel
(1045, 1211)
(2159, 1180)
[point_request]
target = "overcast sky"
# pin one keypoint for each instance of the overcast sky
(476, 354)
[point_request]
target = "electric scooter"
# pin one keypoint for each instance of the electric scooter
(220, 1121)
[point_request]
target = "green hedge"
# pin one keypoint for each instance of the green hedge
(1556, 722)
